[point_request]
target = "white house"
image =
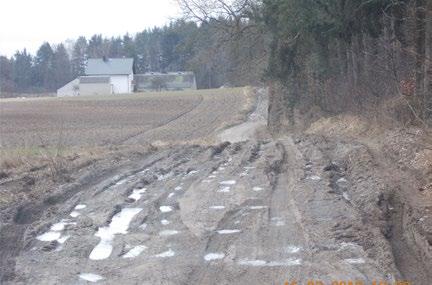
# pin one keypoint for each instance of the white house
(103, 76)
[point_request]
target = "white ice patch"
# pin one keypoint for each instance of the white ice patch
(346, 196)
(341, 180)
(228, 182)
(90, 277)
(225, 189)
(143, 226)
(192, 172)
(257, 207)
(221, 168)
(135, 251)
(217, 207)
(292, 249)
(119, 225)
(137, 194)
(259, 262)
(257, 189)
(165, 222)
(75, 214)
(249, 167)
(178, 188)
(227, 232)
(122, 181)
(207, 181)
(212, 176)
(63, 239)
(170, 195)
(165, 176)
(314, 177)
(168, 233)
(168, 253)
(58, 227)
(49, 236)
(80, 207)
(214, 256)
(249, 262)
(165, 209)
(355, 260)
(55, 232)
(286, 262)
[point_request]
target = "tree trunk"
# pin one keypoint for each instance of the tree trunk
(420, 17)
(428, 64)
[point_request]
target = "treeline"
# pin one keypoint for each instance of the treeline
(351, 54)
(179, 46)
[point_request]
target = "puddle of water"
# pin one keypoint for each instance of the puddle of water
(212, 176)
(355, 260)
(90, 277)
(206, 181)
(170, 195)
(135, 251)
(165, 222)
(257, 189)
(137, 194)
(214, 256)
(228, 182)
(165, 209)
(217, 207)
(226, 232)
(249, 167)
(119, 225)
(225, 189)
(168, 253)
(80, 207)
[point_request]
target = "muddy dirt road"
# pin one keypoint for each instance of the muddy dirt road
(257, 210)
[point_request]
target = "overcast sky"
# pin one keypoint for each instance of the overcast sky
(29, 23)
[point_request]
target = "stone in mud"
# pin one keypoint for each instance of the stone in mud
(332, 167)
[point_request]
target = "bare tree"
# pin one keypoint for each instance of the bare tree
(231, 15)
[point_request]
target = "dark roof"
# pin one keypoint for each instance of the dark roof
(110, 66)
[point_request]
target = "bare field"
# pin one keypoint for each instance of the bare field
(117, 120)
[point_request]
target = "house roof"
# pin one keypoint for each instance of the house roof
(110, 66)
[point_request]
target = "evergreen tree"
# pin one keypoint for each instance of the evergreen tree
(79, 57)
(61, 66)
